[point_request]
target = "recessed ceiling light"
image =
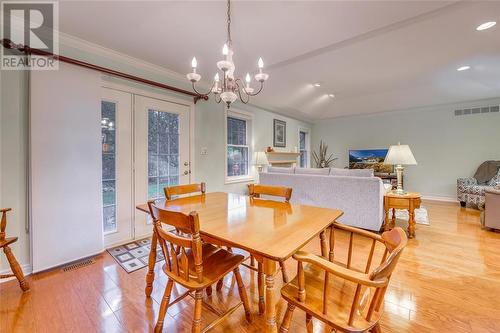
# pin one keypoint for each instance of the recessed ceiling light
(317, 84)
(463, 68)
(486, 25)
(331, 95)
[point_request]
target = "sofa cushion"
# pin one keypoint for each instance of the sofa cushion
(351, 172)
(312, 171)
(280, 170)
(476, 189)
(495, 180)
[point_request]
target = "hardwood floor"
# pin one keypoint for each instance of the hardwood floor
(448, 280)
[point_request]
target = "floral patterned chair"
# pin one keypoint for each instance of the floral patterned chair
(470, 193)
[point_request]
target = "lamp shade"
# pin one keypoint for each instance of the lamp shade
(261, 158)
(400, 154)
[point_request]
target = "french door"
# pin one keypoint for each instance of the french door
(161, 152)
(145, 147)
(117, 166)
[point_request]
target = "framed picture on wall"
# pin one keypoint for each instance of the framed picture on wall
(279, 133)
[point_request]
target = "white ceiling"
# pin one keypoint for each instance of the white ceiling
(374, 56)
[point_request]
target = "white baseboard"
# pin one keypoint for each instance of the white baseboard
(439, 198)
(27, 270)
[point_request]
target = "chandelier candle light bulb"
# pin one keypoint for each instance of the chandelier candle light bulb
(231, 87)
(194, 64)
(248, 89)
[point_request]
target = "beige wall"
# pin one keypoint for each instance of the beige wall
(13, 160)
(209, 132)
(445, 146)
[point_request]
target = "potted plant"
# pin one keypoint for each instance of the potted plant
(320, 159)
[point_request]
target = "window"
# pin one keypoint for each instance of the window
(108, 136)
(163, 152)
(304, 148)
(238, 149)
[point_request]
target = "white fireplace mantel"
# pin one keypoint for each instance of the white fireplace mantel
(282, 159)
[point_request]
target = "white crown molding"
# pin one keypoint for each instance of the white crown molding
(84, 45)
(96, 49)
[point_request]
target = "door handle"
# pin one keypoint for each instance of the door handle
(186, 173)
(186, 163)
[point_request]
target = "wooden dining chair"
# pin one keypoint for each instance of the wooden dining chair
(193, 264)
(345, 298)
(5, 243)
(255, 191)
(171, 191)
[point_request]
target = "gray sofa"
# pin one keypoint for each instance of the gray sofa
(356, 192)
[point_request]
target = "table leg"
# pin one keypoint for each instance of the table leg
(411, 223)
(324, 250)
(387, 227)
(260, 285)
(393, 219)
(270, 270)
(150, 276)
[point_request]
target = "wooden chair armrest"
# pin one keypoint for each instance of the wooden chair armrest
(339, 271)
(357, 231)
(4, 210)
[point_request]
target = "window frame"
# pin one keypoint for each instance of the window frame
(307, 148)
(248, 118)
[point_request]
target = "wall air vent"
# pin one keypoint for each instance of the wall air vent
(476, 110)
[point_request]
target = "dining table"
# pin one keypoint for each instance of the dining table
(271, 231)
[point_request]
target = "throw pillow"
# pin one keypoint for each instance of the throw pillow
(495, 180)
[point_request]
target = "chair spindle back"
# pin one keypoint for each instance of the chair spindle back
(255, 191)
(394, 242)
(175, 245)
(3, 222)
(170, 191)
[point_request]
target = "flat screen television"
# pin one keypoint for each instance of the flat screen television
(369, 159)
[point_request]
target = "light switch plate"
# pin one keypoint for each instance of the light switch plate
(204, 151)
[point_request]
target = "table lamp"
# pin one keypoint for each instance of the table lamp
(400, 155)
(260, 160)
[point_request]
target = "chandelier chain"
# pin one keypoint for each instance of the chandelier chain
(229, 41)
(229, 88)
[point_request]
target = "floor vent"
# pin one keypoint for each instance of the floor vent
(78, 264)
(478, 110)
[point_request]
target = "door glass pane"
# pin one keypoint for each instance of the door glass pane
(302, 141)
(302, 148)
(163, 152)
(108, 137)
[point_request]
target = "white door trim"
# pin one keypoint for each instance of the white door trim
(167, 98)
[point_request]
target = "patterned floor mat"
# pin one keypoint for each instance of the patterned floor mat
(134, 255)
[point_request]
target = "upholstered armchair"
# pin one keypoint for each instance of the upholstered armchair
(471, 193)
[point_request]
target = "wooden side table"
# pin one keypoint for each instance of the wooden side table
(408, 201)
